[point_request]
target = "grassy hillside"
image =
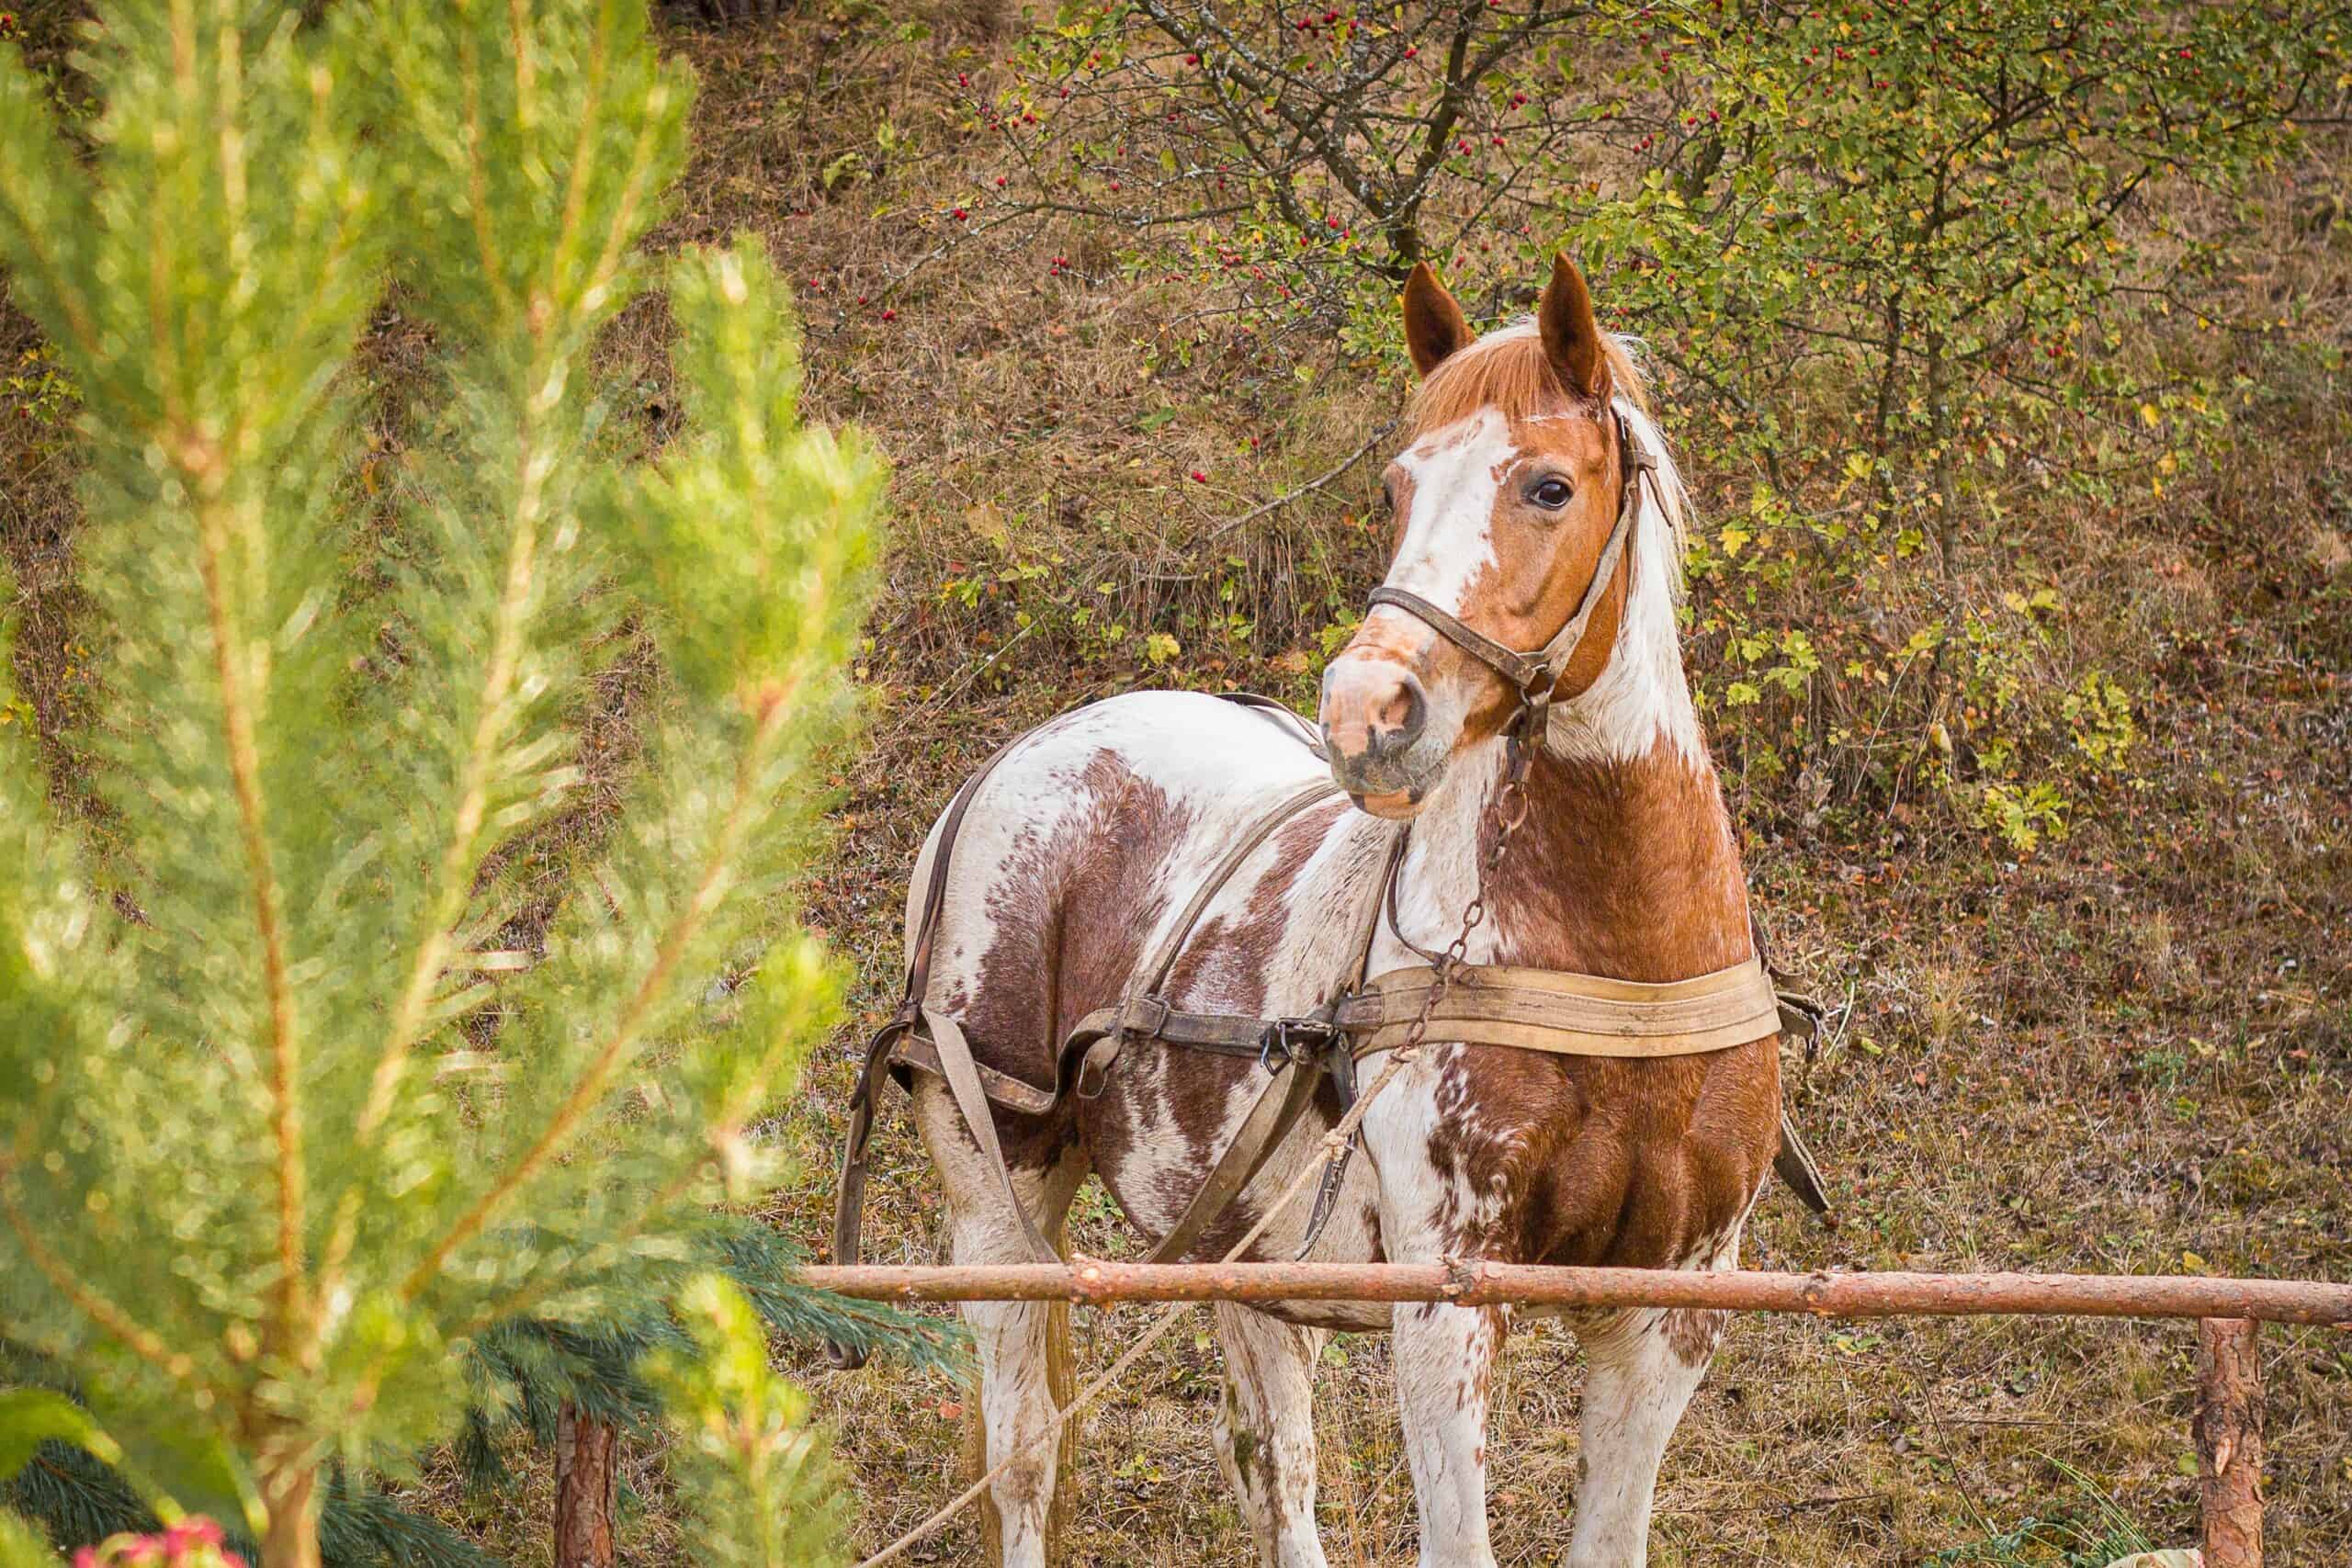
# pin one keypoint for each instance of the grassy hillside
(2127, 1050)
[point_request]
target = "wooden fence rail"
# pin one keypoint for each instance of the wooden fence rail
(2227, 1428)
(1097, 1283)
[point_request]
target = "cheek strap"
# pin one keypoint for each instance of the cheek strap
(1534, 675)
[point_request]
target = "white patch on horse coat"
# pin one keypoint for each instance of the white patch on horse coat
(1448, 537)
(1440, 875)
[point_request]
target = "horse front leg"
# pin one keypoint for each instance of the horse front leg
(1446, 1357)
(1265, 1432)
(1642, 1368)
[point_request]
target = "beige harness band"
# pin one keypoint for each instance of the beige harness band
(1568, 1015)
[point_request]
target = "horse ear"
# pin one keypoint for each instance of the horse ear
(1434, 325)
(1571, 336)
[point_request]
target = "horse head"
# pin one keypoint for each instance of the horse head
(1511, 503)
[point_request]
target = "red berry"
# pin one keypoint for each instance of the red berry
(959, 214)
(1192, 60)
(1199, 477)
(1411, 50)
(890, 315)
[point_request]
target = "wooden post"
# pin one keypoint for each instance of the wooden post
(2228, 1428)
(586, 1468)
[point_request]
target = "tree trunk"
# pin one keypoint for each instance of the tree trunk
(586, 1470)
(2228, 1428)
(290, 1493)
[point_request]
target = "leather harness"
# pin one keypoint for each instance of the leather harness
(1535, 1009)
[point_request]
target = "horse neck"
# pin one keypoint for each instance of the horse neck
(1625, 864)
(1625, 867)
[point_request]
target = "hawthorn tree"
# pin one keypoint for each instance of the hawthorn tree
(284, 1128)
(1903, 264)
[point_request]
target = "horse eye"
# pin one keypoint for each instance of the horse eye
(1550, 494)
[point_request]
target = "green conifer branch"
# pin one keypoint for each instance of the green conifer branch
(477, 172)
(244, 772)
(87, 1299)
(774, 706)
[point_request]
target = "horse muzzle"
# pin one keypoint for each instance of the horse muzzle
(1376, 728)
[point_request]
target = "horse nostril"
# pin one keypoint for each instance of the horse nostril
(1374, 714)
(1396, 723)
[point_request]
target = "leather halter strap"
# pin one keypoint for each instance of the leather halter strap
(1534, 675)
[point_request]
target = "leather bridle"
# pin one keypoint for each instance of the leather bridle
(1533, 676)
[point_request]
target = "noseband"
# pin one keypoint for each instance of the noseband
(1534, 675)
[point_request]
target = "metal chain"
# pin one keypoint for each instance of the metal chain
(1509, 807)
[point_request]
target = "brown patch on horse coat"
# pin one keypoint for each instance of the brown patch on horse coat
(1070, 903)
(1596, 1160)
(1692, 1334)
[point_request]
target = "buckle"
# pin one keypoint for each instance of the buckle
(1286, 1040)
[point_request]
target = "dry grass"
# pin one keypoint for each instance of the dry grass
(2129, 1054)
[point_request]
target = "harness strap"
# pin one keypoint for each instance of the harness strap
(1793, 1164)
(1276, 1109)
(849, 1190)
(1341, 1063)
(1283, 716)
(1244, 845)
(1568, 1015)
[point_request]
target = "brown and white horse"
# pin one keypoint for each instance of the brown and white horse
(1094, 832)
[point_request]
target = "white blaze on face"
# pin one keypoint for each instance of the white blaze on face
(1450, 533)
(1449, 540)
